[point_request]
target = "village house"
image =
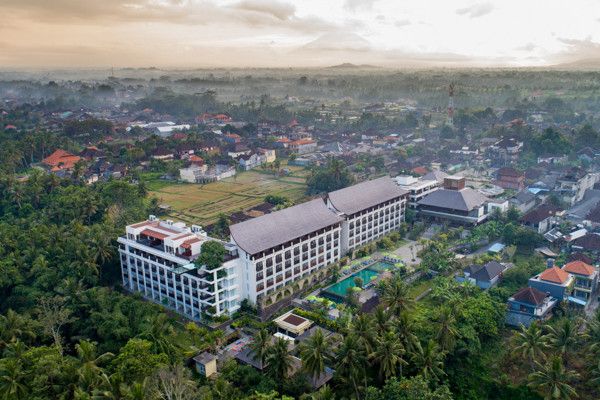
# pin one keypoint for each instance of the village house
(586, 279)
(484, 276)
(510, 178)
(541, 219)
(529, 305)
(60, 160)
(555, 281)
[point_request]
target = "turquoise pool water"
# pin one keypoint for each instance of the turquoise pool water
(339, 289)
(381, 266)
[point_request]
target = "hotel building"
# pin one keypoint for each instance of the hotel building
(157, 261)
(265, 254)
(369, 209)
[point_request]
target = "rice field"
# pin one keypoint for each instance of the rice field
(202, 203)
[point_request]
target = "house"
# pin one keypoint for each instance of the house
(302, 146)
(573, 184)
(510, 178)
(162, 154)
(455, 203)
(232, 138)
(505, 151)
(268, 155)
(193, 173)
(523, 201)
(166, 131)
(542, 218)
(529, 305)
(249, 162)
(484, 276)
(555, 281)
(590, 242)
(206, 364)
(586, 279)
(60, 160)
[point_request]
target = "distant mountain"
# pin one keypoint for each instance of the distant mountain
(352, 66)
(586, 64)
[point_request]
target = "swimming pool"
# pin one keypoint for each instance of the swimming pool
(339, 289)
(381, 266)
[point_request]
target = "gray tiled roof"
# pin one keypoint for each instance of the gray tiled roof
(466, 199)
(435, 175)
(489, 271)
(270, 230)
(366, 194)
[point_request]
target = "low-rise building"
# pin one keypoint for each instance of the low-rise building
(542, 219)
(573, 184)
(529, 305)
(206, 364)
(484, 276)
(510, 178)
(523, 201)
(455, 203)
(302, 146)
(60, 160)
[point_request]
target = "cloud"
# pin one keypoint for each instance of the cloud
(476, 10)
(402, 22)
(578, 50)
(354, 5)
(279, 10)
(527, 47)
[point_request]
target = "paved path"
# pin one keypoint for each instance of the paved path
(408, 252)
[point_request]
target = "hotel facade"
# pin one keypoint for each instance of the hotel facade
(265, 254)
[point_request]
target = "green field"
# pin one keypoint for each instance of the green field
(201, 204)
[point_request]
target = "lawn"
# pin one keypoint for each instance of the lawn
(202, 203)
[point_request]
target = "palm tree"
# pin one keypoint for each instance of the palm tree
(12, 380)
(562, 337)
(13, 326)
(364, 332)
(592, 332)
(259, 346)
(388, 354)
(90, 374)
(381, 320)
(351, 362)
(324, 393)
(279, 360)
(395, 296)
(404, 326)
(159, 331)
(530, 343)
(553, 380)
(446, 329)
(315, 353)
(595, 374)
(429, 361)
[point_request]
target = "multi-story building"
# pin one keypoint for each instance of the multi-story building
(267, 255)
(417, 188)
(586, 279)
(279, 248)
(555, 281)
(370, 210)
(157, 260)
(573, 184)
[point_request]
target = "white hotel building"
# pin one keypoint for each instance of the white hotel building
(157, 261)
(266, 253)
(370, 209)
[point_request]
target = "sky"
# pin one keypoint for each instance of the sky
(300, 33)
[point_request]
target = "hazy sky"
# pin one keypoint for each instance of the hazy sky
(241, 33)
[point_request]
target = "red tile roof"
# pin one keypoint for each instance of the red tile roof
(154, 234)
(555, 275)
(579, 267)
(61, 159)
